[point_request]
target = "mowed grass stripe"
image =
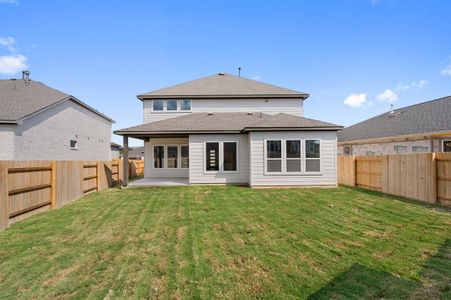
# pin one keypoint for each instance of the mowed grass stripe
(228, 242)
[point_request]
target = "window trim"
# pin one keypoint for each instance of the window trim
(303, 158)
(165, 157)
(292, 158)
(165, 106)
(281, 159)
(153, 157)
(190, 105)
(180, 156)
(313, 158)
(443, 145)
(221, 157)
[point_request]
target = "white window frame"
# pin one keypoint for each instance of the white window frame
(443, 144)
(190, 106)
(180, 155)
(299, 159)
(221, 157)
(165, 106)
(284, 159)
(319, 158)
(265, 156)
(165, 158)
(158, 111)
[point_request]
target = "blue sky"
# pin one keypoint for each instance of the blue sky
(354, 57)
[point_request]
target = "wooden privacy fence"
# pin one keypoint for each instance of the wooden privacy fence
(136, 168)
(423, 176)
(30, 187)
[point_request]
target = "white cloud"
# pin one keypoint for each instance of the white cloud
(8, 42)
(446, 71)
(256, 77)
(355, 100)
(388, 95)
(414, 84)
(11, 64)
(421, 84)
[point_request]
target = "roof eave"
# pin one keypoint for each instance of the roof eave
(223, 96)
(172, 132)
(334, 128)
(8, 122)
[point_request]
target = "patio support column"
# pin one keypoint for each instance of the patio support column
(125, 161)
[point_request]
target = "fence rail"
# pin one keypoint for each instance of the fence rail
(424, 176)
(30, 187)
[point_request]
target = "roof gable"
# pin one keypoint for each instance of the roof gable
(223, 86)
(20, 99)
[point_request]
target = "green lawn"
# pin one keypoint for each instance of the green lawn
(230, 242)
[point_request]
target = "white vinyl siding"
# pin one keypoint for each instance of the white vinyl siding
(166, 171)
(268, 106)
(198, 174)
(326, 177)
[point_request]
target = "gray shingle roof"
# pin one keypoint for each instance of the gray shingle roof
(226, 122)
(289, 121)
(19, 99)
(427, 117)
(223, 86)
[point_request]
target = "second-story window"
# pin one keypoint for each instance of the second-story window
(157, 105)
(185, 104)
(171, 105)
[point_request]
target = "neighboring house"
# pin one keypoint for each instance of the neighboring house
(115, 150)
(227, 129)
(40, 123)
(136, 153)
(423, 127)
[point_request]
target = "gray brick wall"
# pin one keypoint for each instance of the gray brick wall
(47, 135)
(6, 142)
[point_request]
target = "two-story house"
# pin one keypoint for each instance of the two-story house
(225, 129)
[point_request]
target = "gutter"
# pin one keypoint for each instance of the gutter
(212, 97)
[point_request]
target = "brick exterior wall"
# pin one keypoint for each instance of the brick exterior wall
(7, 142)
(47, 135)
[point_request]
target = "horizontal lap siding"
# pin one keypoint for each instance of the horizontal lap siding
(328, 175)
(197, 173)
(269, 106)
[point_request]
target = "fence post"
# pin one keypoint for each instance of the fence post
(354, 171)
(53, 183)
(4, 201)
(434, 183)
(97, 176)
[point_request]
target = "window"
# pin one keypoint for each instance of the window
(312, 156)
(212, 156)
(158, 157)
(184, 156)
(447, 146)
(230, 159)
(185, 104)
(171, 105)
(347, 150)
(73, 144)
(157, 105)
(293, 155)
(172, 157)
(274, 156)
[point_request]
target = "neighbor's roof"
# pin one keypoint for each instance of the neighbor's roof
(427, 117)
(223, 85)
(20, 99)
(226, 122)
